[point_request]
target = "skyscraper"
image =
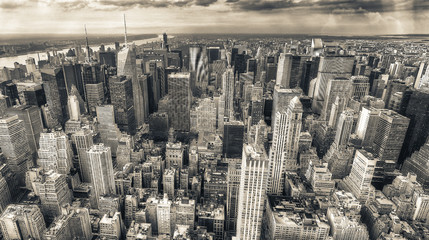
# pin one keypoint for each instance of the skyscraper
(252, 193)
(83, 142)
(102, 175)
(14, 146)
(22, 221)
(233, 139)
(330, 67)
(284, 150)
(284, 70)
(359, 180)
(164, 216)
(338, 87)
(228, 92)
(198, 67)
(121, 92)
(55, 152)
(233, 188)
(180, 101)
(94, 96)
(360, 86)
(281, 99)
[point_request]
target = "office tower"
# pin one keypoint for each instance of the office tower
(83, 141)
(284, 68)
(343, 228)
(127, 67)
(121, 92)
(123, 153)
(213, 54)
(271, 72)
(107, 58)
(5, 197)
(418, 130)
(297, 70)
(3, 104)
(418, 164)
(367, 125)
(174, 155)
(102, 175)
(212, 217)
(73, 77)
(14, 146)
(289, 219)
(53, 98)
(330, 67)
(180, 101)
(131, 206)
(338, 87)
(217, 68)
(252, 193)
(185, 211)
(111, 226)
(54, 192)
(34, 95)
(257, 111)
(359, 180)
(284, 150)
(163, 216)
(169, 178)
(60, 229)
(94, 96)
(74, 108)
(198, 67)
(22, 221)
(390, 135)
(80, 223)
(156, 84)
(55, 152)
(233, 138)
(360, 86)
(339, 154)
(32, 121)
(228, 92)
(281, 99)
(233, 187)
(108, 131)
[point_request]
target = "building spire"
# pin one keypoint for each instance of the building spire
(125, 26)
(87, 45)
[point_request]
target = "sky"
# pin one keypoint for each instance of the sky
(335, 17)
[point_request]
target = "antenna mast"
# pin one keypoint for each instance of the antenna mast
(125, 26)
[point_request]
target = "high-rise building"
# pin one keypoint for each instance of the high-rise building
(22, 221)
(367, 124)
(127, 67)
(80, 223)
(343, 228)
(281, 99)
(180, 101)
(359, 180)
(94, 96)
(121, 92)
(228, 92)
(252, 193)
(320, 178)
(284, 68)
(198, 67)
(284, 149)
(55, 152)
(168, 179)
(54, 192)
(14, 146)
(111, 226)
(360, 86)
(32, 121)
(163, 215)
(83, 141)
(233, 138)
(418, 164)
(233, 187)
(330, 67)
(74, 108)
(5, 197)
(53, 96)
(174, 154)
(390, 135)
(102, 175)
(338, 87)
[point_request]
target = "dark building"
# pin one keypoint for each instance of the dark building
(309, 72)
(35, 96)
(73, 76)
(121, 90)
(159, 125)
(213, 54)
(233, 139)
(11, 91)
(107, 58)
(257, 111)
(56, 93)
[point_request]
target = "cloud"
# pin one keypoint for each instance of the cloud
(204, 3)
(10, 4)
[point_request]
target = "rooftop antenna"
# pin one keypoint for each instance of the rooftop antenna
(87, 45)
(125, 26)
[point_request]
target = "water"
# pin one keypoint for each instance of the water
(9, 61)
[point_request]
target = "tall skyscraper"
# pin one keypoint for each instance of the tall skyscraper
(390, 135)
(228, 92)
(281, 99)
(284, 68)
(233, 139)
(284, 149)
(198, 67)
(359, 180)
(21, 222)
(102, 175)
(180, 101)
(14, 146)
(121, 92)
(330, 67)
(83, 141)
(338, 87)
(252, 193)
(233, 188)
(418, 164)
(53, 96)
(360, 86)
(74, 108)
(55, 152)
(94, 96)
(32, 121)
(163, 214)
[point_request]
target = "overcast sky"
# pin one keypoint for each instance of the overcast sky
(341, 17)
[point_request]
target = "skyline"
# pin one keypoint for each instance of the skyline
(331, 17)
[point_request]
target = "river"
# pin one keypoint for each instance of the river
(9, 61)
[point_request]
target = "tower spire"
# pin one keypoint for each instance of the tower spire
(125, 26)
(87, 45)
